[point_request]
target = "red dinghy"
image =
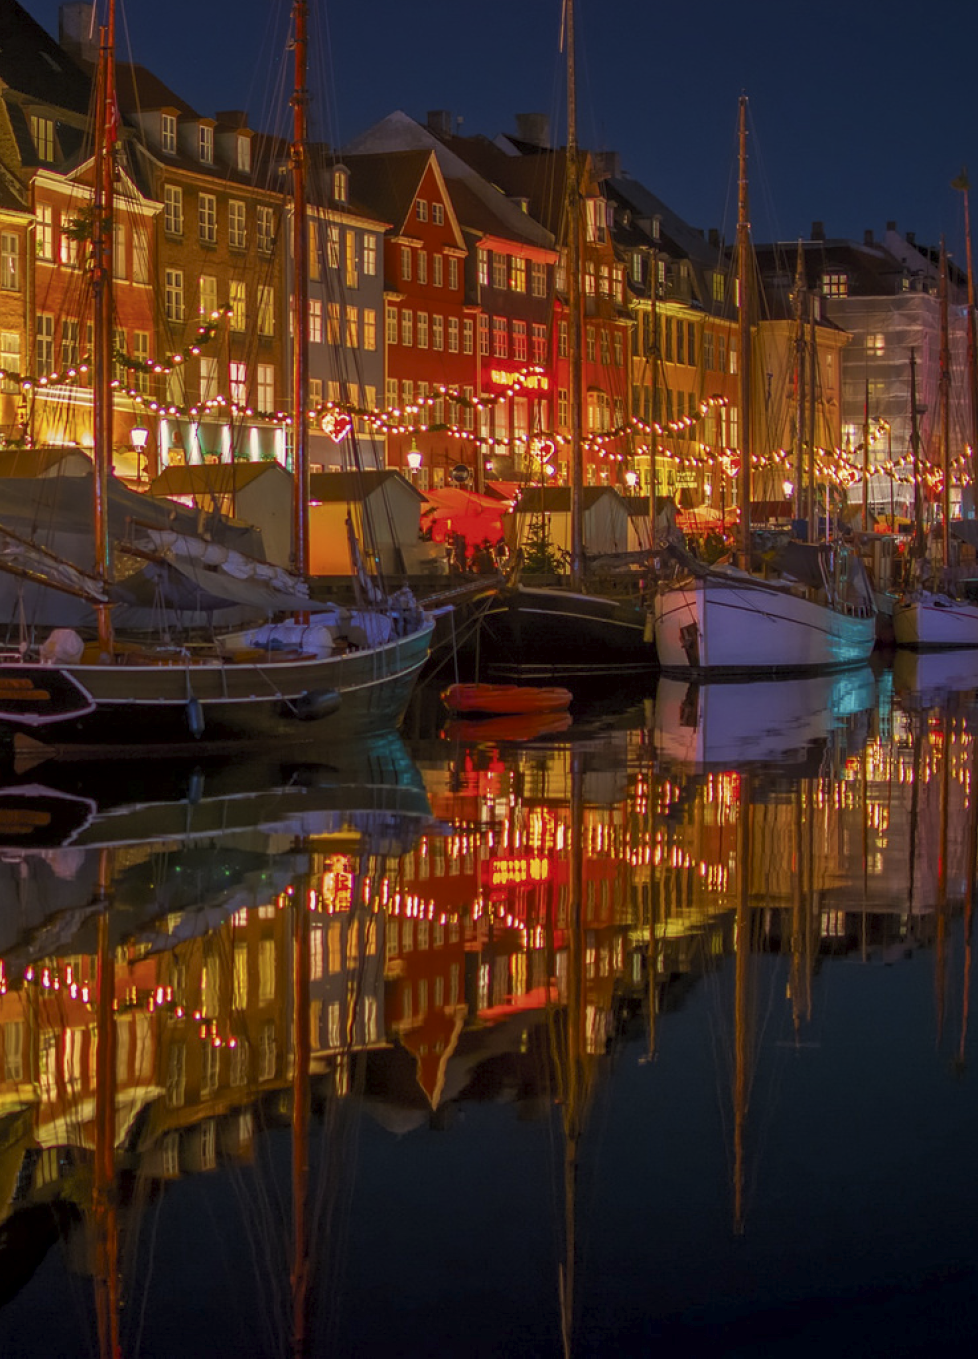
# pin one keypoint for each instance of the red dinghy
(501, 699)
(510, 727)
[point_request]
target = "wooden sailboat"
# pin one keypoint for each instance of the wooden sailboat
(569, 627)
(269, 683)
(818, 613)
(925, 616)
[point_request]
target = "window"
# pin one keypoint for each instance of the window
(453, 335)
(266, 387)
(519, 341)
(10, 357)
(208, 295)
(369, 329)
(140, 350)
(237, 231)
(68, 252)
(407, 392)
(483, 335)
(605, 348)
(422, 269)
(207, 218)
(267, 1052)
(517, 274)
(438, 214)
(438, 332)
(406, 263)
(835, 284)
(172, 210)
(876, 345)
(437, 270)
(562, 340)
(42, 131)
(391, 394)
(315, 321)
(422, 330)
(205, 144)
(208, 378)
(719, 288)
(244, 155)
(10, 261)
(45, 344)
(690, 345)
(265, 230)
(407, 327)
(708, 357)
(498, 270)
(118, 249)
(468, 335)
(500, 338)
(619, 350)
(538, 354)
(140, 255)
(44, 231)
(590, 278)
(598, 412)
(538, 279)
(237, 300)
(266, 309)
(176, 387)
(333, 323)
(605, 277)
(341, 185)
(352, 328)
(168, 134)
(352, 270)
(333, 247)
(391, 325)
(483, 268)
(452, 274)
(238, 374)
(370, 255)
(316, 391)
(597, 220)
(70, 347)
(173, 294)
(590, 348)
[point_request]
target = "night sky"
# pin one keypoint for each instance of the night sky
(860, 115)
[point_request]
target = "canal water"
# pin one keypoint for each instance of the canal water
(640, 1031)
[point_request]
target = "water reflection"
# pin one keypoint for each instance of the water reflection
(475, 1039)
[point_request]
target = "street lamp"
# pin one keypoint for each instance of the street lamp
(138, 437)
(414, 458)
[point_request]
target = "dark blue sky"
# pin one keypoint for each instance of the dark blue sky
(860, 115)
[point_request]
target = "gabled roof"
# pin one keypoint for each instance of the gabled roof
(214, 478)
(389, 183)
(141, 91)
(557, 499)
(346, 487)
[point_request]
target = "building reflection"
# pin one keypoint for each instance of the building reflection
(481, 925)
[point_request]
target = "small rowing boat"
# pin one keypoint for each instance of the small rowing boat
(500, 699)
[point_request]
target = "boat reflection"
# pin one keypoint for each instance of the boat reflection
(232, 1044)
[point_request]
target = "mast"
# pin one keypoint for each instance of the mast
(918, 507)
(300, 293)
(106, 1220)
(743, 265)
(800, 296)
(102, 246)
(812, 477)
(866, 457)
(575, 309)
(962, 183)
(300, 1122)
(944, 385)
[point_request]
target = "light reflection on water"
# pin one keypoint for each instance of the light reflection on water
(653, 1031)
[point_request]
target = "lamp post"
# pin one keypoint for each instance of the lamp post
(139, 437)
(414, 459)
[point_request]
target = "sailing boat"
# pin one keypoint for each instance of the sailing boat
(926, 617)
(267, 683)
(817, 614)
(558, 629)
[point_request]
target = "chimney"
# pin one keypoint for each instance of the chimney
(78, 32)
(818, 231)
(714, 238)
(440, 122)
(607, 164)
(868, 237)
(534, 128)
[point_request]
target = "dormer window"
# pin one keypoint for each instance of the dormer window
(341, 185)
(244, 155)
(835, 284)
(42, 131)
(168, 134)
(205, 144)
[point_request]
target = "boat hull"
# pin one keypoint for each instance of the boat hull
(143, 706)
(935, 621)
(555, 631)
(740, 625)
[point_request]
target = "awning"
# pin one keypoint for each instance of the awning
(453, 510)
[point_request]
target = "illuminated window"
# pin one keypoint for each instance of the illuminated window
(370, 255)
(835, 284)
(352, 270)
(168, 134)
(172, 210)
(266, 310)
(341, 185)
(140, 255)
(68, 251)
(44, 231)
(205, 144)
(590, 278)
(9, 358)
(876, 345)
(70, 345)
(45, 344)
(265, 385)
(517, 274)
(237, 232)
(719, 287)
(333, 323)
(499, 271)
(369, 329)
(244, 155)
(266, 971)
(239, 985)
(208, 378)
(483, 267)
(42, 131)
(208, 295)
(10, 261)
(207, 218)
(237, 301)
(333, 247)
(391, 325)
(352, 328)
(315, 321)
(238, 375)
